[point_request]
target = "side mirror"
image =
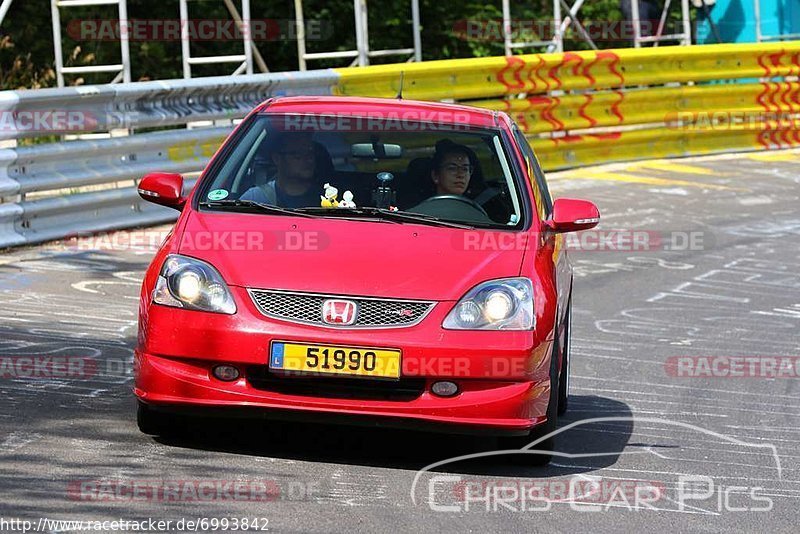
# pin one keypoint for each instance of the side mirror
(572, 215)
(164, 188)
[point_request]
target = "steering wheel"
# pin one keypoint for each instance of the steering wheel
(465, 200)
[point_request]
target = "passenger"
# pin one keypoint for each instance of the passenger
(295, 184)
(452, 168)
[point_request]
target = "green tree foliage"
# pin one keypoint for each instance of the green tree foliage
(26, 42)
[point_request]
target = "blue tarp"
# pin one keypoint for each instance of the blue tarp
(735, 20)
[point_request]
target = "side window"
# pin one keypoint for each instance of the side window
(535, 170)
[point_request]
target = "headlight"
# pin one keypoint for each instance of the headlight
(504, 304)
(194, 285)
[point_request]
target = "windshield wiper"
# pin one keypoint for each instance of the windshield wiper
(253, 205)
(398, 216)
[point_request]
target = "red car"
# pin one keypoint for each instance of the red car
(377, 261)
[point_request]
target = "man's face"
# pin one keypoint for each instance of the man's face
(452, 177)
(295, 162)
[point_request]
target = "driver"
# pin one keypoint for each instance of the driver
(295, 184)
(452, 168)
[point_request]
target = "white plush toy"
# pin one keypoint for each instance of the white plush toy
(347, 200)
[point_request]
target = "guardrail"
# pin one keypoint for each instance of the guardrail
(36, 201)
(98, 108)
(577, 108)
(584, 108)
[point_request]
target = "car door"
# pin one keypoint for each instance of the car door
(554, 244)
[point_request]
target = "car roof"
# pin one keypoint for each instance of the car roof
(393, 108)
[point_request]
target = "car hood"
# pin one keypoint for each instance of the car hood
(349, 257)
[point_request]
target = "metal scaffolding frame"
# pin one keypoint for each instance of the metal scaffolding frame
(684, 37)
(557, 43)
(564, 17)
(245, 59)
(560, 26)
(362, 53)
(510, 45)
(123, 69)
(4, 9)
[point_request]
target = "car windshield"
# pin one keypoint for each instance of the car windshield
(366, 167)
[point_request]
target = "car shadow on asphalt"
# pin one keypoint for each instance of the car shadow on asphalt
(585, 446)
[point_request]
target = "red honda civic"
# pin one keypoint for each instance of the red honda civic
(368, 261)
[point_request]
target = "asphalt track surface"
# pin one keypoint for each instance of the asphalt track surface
(70, 449)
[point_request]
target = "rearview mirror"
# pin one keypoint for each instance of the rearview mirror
(376, 150)
(572, 215)
(163, 188)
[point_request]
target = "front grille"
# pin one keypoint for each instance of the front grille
(405, 389)
(372, 312)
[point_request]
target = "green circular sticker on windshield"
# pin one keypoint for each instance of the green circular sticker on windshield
(217, 194)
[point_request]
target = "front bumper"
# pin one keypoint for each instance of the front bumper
(503, 377)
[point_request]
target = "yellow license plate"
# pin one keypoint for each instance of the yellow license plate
(334, 359)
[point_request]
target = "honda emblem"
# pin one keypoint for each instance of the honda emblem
(339, 312)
